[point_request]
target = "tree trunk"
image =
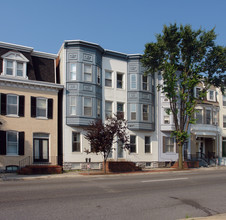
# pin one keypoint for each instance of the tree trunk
(180, 156)
(105, 166)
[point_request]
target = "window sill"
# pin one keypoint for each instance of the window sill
(13, 116)
(12, 155)
(42, 118)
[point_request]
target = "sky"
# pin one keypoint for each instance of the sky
(119, 25)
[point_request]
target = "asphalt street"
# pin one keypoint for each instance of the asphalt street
(171, 195)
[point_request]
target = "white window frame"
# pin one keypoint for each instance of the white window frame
(86, 73)
(150, 145)
(133, 112)
(146, 83)
(122, 113)
(170, 144)
(15, 58)
(46, 109)
(108, 79)
(148, 112)
(224, 100)
(224, 121)
(17, 105)
(78, 134)
(122, 82)
(135, 144)
(208, 109)
(91, 106)
(72, 105)
(215, 117)
(73, 73)
(133, 82)
(7, 143)
(98, 75)
(199, 109)
(106, 110)
(165, 115)
(214, 95)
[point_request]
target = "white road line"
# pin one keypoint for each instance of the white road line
(163, 180)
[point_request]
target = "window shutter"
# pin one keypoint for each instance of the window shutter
(2, 143)
(21, 106)
(164, 144)
(33, 107)
(50, 108)
(3, 104)
(21, 143)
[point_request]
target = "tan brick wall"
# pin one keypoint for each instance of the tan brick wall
(30, 125)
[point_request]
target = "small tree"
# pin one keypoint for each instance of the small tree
(185, 58)
(102, 136)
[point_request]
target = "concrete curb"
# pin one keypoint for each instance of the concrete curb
(214, 217)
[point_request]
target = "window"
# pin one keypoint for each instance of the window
(108, 109)
(41, 147)
(208, 116)
(133, 115)
(75, 142)
(12, 143)
(145, 85)
(87, 72)
(199, 116)
(224, 100)
(224, 121)
(215, 117)
(73, 71)
(147, 144)
(133, 81)
(87, 106)
(108, 78)
(98, 76)
(168, 144)
(133, 144)
(72, 104)
(11, 105)
(166, 116)
(119, 80)
(41, 107)
(145, 112)
(14, 64)
(120, 110)
(211, 95)
(197, 92)
(98, 108)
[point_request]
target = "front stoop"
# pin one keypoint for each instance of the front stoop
(121, 166)
(40, 169)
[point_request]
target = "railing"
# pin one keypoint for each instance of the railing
(25, 162)
(208, 159)
(51, 160)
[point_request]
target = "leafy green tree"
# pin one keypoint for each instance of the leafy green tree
(185, 58)
(102, 136)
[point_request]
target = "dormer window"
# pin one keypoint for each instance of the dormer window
(14, 64)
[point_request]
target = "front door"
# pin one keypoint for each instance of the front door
(41, 150)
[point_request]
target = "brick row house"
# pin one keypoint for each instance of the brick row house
(28, 107)
(47, 100)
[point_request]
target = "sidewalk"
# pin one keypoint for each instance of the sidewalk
(215, 217)
(16, 177)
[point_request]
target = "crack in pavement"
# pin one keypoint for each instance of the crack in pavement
(196, 205)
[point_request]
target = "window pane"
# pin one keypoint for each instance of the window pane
(41, 110)
(145, 83)
(119, 81)
(108, 80)
(133, 81)
(87, 106)
(199, 116)
(73, 71)
(9, 68)
(147, 145)
(12, 105)
(108, 109)
(132, 144)
(11, 143)
(208, 116)
(19, 69)
(145, 112)
(75, 142)
(133, 111)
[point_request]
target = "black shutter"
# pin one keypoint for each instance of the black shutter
(50, 108)
(21, 143)
(2, 143)
(21, 106)
(33, 107)
(3, 104)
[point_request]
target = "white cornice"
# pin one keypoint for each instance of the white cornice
(44, 55)
(8, 81)
(16, 47)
